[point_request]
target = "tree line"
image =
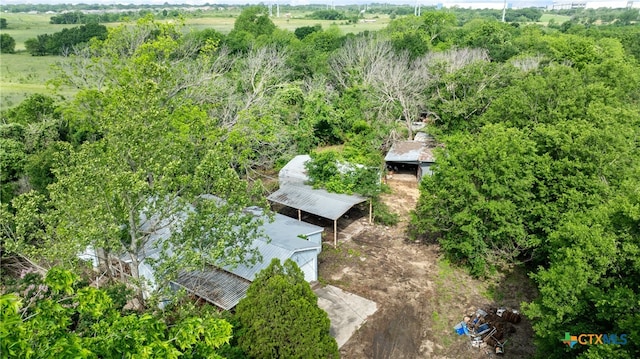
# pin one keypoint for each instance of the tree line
(539, 168)
(64, 41)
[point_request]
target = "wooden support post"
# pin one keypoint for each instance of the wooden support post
(370, 210)
(335, 233)
(299, 215)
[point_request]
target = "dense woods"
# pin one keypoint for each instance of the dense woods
(539, 168)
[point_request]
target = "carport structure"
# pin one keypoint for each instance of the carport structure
(412, 153)
(317, 201)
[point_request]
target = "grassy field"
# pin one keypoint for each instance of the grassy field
(27, 26)
(22, 75)
(225, 24)
(559, 19)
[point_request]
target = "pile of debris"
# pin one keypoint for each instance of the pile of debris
(489, 328)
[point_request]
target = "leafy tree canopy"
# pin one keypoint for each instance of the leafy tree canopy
(57, 316)
(280, 317)
(7, 44)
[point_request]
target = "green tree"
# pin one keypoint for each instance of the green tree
(476, 201)
(464, 88)
(327, 15)
(33, 109)
(7, 44)
(408, 34)
(62, 42)
(280, 317)
(37, 46)
(58, 317)
(304, 31)
(254, 20)
(12, 158)
(627, 17)
(153, 154)
(437, 24)
(3, 23)
(496, 37)
(591, 281)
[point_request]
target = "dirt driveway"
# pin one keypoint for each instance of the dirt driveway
(420, 295)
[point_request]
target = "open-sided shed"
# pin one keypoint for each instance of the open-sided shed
(316, 201)
(295, 193)
(412, 153)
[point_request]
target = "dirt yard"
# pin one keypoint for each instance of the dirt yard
(420, 296)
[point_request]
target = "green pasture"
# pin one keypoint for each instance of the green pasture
(559, 19)
(225, 24)
(22, 26)
(22, 75)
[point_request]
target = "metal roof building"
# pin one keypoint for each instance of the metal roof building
(417, 153)
(214, 285)
(411, 152)
(283, 240)
(315, 201)
(296, 194)
(294, 171)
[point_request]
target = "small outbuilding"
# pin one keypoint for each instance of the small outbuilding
(416, 156)
(295, 193)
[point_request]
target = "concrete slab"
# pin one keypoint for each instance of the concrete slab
(346, 311)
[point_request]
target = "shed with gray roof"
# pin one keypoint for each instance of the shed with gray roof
(295, 193)
(285, 238)
(415, 155)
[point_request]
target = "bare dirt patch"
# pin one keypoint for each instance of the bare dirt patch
(420, 296)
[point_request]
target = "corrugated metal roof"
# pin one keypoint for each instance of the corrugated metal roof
(225, 288)
(282, 242)
(315, 201)
(284, 228)
(216, 286)
(410, 152)
(269, 251)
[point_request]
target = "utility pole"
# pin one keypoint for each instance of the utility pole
(504, 10)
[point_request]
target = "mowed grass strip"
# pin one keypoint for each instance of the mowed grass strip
(225, 24)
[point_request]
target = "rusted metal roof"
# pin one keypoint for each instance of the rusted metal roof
(412, 152)
(214, 285)
(315, 201)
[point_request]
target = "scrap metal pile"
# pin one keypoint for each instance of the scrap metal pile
(489, 329)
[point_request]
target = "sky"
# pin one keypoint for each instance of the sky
(287, 2)
(493, 3)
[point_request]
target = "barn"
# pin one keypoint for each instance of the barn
(285, 238)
